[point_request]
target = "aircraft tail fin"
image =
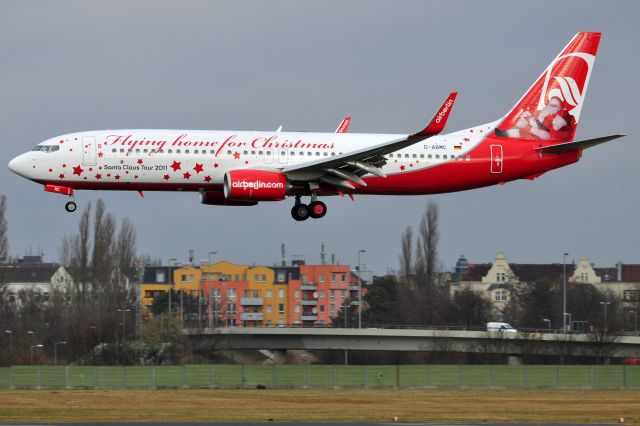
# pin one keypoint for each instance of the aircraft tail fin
(550, 109)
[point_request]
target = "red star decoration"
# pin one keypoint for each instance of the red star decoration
(117, 176)
(108, 174)
(70, 149)
(100, 154)
(402, 167)
(166, 177)
(50, 170)
(78, 170)
(127, 172)
(139, 160)
(175, 166)
(61, 141)
(90, 169)
(246, 162)
(198, 168)
(186, 175)
(215, 165)
(236, 155)
(466, 139)
(410, 165)
(135, 177)
(207, 178)
(64, 165)
(471, 131)
(61, 175)
(100, 168)
(98, 176)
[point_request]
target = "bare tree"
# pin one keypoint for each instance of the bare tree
(406, 256)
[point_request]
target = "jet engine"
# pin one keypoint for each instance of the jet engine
(255, 185)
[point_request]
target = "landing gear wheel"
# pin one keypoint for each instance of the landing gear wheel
(300, 212)
(317, 209)
(70, 206)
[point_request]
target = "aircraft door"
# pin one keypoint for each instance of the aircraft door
(497, 159)
(268, 156)
(283, 155)
(88, 150)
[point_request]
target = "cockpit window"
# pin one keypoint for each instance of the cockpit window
(46, 148)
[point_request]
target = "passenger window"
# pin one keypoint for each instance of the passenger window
(421, 155)
(415, 155)
(196, 151)
(55, 148)
(406, 156)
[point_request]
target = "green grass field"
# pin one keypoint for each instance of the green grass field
(286, 405)
(324, 377)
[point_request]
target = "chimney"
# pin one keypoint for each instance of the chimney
(333, 259)
(322, 260)
(619, 265)
(283, 254)
(191, 256)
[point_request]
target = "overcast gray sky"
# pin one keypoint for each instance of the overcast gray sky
(80, 65)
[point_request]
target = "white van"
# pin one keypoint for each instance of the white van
(500, 326)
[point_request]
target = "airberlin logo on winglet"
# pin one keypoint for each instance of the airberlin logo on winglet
(443, 112)
(257, 184)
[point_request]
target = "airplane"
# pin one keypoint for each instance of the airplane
(240, 168)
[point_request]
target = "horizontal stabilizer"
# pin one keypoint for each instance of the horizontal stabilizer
(577, 145)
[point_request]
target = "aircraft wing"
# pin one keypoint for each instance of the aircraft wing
(341, 170)
(577, 145)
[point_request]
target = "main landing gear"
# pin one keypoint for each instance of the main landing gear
(316, 209)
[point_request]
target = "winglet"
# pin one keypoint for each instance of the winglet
(437, 123)
(344, 125)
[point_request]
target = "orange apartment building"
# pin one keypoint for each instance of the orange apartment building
(242, 295)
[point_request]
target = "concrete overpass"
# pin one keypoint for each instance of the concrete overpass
(371, 339)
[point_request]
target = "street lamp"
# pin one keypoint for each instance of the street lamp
(10, 333)
(564, 292)
(173, 260)
(55, 351)
(548, 322)
(360, 289)
(31, 351)
(123, 322)
(604, 305)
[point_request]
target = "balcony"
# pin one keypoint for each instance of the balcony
(354, 288)
(309, 317)
(308, 302)
(252, 301)
(308, 287)
(252, 316)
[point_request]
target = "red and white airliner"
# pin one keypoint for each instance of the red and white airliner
(235, 168)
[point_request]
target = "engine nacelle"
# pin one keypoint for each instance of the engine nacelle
(217, 198)
(255, 185)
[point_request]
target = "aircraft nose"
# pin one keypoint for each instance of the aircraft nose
(18, 165)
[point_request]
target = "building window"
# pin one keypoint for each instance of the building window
(216, 293)
(280, 293)
(297, 309)
(322, 294)
(264, 278)
(231, 293)
(333, 295)
(269, 309)
(296, 294)
(281, 308)
(256, 278)
(192, 278)
(344, 278)
(231, 309)
(269, 294)
(321, 278)
(322, 308)
(332, 311)
(333, 278)
(501, 295)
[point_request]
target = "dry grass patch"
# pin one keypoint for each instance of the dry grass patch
(531, 406)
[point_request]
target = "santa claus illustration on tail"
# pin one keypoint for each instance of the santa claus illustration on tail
(553, 122)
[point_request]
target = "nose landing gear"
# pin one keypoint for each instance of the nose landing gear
(315, 210)
(70, 206)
